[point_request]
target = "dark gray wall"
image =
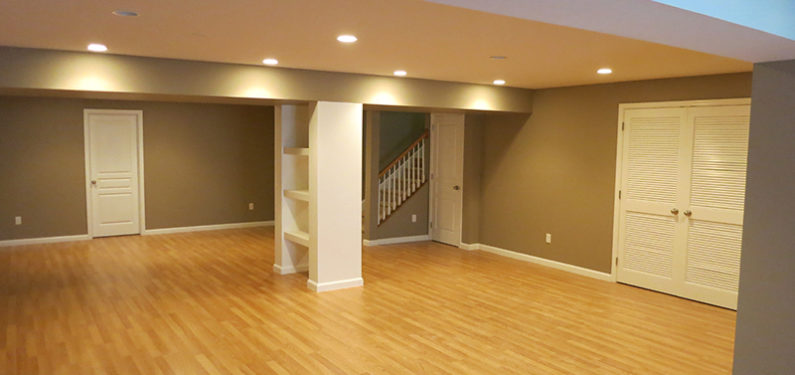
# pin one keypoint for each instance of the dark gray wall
(765, 338)
(203, 164)
(398, 131)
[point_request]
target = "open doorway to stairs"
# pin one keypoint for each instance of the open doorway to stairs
(413, 167)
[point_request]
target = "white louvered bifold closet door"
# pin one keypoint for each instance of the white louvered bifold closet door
(683, 189)
(652, 186)
(714, 215)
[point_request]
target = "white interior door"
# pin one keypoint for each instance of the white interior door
(683, 190)
(112, 170)
(447, 176)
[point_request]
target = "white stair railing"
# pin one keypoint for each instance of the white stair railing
(401, 178)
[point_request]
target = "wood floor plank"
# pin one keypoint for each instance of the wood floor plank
(209, 303)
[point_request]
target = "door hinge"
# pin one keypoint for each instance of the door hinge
(622, 125)
(616, 261)
(619, 194)
(431, 224)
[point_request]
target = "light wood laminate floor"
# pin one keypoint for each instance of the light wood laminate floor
(209, 303)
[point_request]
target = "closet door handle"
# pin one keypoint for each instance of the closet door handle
(688, 213)
(675, 211)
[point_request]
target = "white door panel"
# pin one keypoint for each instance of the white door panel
(447, 169)
(113, 172)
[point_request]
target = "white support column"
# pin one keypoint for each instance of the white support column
(335, 183)
(291, 173)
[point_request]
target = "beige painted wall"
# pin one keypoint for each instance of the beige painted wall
(554, 172)
(473, 168)
(25, 70)
(400, 225)
(203, 164)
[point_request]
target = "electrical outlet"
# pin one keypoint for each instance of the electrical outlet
(548, 238)
(18, 220)
(413, 218)
(251, 206)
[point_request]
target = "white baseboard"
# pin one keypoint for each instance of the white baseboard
(544, 262)
(286, 270)
(334, 285)
(200, 228)
(41, 240)
(396, 240)
(469, 246)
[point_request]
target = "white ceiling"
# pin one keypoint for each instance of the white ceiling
(428, 40)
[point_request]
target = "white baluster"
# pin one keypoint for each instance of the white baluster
(380, 199)
(399, 183)
(422, 162)
(394, 189)
(391, 192)
(404, 180)
(417, 166)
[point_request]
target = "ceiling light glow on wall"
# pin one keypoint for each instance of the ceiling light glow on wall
(604, 71)
(270, 61)
(347, 38)
(400, 73)
(125, 13)
(499, 82)
(96, 47)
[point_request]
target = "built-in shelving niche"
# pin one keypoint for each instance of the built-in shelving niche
(295, 184)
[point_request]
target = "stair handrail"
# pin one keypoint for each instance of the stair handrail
(403, 154)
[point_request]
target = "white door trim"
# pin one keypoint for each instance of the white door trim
(433, 170)
(622, 108)
(87, 153)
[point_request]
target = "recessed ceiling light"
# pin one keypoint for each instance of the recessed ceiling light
(270, 61)
(347, 38)
(96, 47)
(498, 57)
(400, 73)
(499, 82)
(604, 71)
(125, 13)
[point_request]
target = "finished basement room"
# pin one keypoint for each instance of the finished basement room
(403, 187)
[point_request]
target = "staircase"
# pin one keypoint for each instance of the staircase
(401, 178)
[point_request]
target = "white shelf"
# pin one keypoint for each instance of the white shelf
(296, 151)
(297, 236)
(301, 195)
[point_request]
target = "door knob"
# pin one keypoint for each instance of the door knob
(688, 213)
(456, 187)
(675, 211)
(93, 182)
